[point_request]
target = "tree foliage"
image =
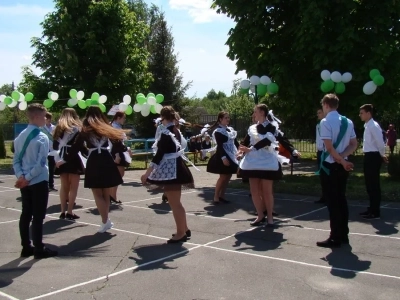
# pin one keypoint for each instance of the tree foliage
(92, 46)
(293, 41)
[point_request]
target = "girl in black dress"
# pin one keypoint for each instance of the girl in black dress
(261, 163)
(65, 133)
(121, 158)
(224, 161)
(101, 170)
(169, 172)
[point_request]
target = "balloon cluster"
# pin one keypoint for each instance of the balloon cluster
(148, 104)
(377, 80)
(125, 105)
(12, 101)
(335, 81)
(95, 100)
(264, 85)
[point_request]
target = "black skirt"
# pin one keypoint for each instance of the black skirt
(101, 171)
(183, 177)
(73, 166)
(215, 165)
(268, 175)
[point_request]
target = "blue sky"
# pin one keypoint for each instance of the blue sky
(200, 35)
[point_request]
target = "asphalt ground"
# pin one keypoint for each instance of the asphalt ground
(224, 259)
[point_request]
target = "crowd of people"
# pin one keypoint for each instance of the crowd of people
(94, 147)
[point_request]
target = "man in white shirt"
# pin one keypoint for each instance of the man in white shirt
(320, 147)
(48, 129)
(374, 154)
(337, 133)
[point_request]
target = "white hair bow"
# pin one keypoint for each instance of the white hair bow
(182, 121)
(273, 117)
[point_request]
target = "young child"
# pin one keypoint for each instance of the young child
(30, 167)
(205, 146)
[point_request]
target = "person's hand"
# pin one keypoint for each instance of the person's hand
(226, 162)
(117, 159)
(59, 163)
(348, 166)
(244, 149)
(143, 179)
(130, 151)
(21, 182)
(385, 159)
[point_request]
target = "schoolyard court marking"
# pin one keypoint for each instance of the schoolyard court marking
(12, 221)
(7, 296)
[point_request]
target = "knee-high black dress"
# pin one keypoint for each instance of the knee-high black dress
(101, 170)
(169, 167)
(121, 151)
(63, 146)
(227, 144)
(263, 161)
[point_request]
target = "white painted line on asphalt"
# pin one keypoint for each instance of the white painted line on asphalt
(10, 208)
(7, 296)
(154, 198)
(302, 215)
(12, 221)
(350, 233)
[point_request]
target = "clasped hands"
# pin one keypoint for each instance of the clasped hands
(21, 182)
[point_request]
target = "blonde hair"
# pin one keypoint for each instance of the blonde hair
(68, 120)
(96, 123)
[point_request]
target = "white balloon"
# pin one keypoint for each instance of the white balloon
(245, 84)
(369, 88)
(21, 97)
(137, 107)
(2, 97)
(13, 103)
(265, 80)
(158, 107)
(346, 77)
(122, 107)
(151, 100)
(103, 99)
(54, 96)
(127, 99)
(336, 76)
(325, 75)
(23, 105)
(73, 102)
(80, 95)
(145, 110)
(255, 80)
(2, 105)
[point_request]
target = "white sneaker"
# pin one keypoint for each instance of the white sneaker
(106, 226)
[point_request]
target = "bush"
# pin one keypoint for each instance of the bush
(3, 152)
(394, 165)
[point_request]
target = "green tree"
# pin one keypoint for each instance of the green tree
(294, 41)
(6, 89)
(92, 46)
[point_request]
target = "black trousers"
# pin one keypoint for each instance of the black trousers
(34, 205)
(334, 187)
(52, 167)
(319, 153)
(372, 170)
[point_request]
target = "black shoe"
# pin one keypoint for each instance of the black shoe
(181, 240)
(223, 200)
(188, 233)
(45, 253)
(320, 201)
(115, 201)
(257, 223)
(365, 213)
(52, 189)
(71, 217)
(27, 251)
(329, 243)
(62, 216)
(371, 217)
(345, 240)
(164, 198)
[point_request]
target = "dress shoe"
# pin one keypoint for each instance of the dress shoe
(44, 253)
(258, 223)
(329, 243)
(181, 240)
(27, 251)
(188, 233)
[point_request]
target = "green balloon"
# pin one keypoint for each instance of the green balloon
(272, 88)
(88, 102)
(49, 95)
(151, 95)
(153, 109)
(102, 107)
(81, 104)
(378, 80)
(28, 97)
(8, 100)
(141, 100)
(94, 102)
(140, 95)
(73, 93)
(327, 86)
(69, 104)
(373, 73)
(129, 110)
(160, 98)
(95, 96)
(262, 90)
(15, 95)
(340, 88)
(244, 91)
(48, 103)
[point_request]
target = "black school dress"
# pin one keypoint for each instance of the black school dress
(117, 149)
(168, 163)
(63, 144)
(227, 145)
(263, 161)
(101, 170)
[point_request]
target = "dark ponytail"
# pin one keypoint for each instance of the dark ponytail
(220, 116)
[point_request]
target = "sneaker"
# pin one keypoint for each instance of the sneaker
(27, 251)
(371, 217)
(106, 226)
(45, 253)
